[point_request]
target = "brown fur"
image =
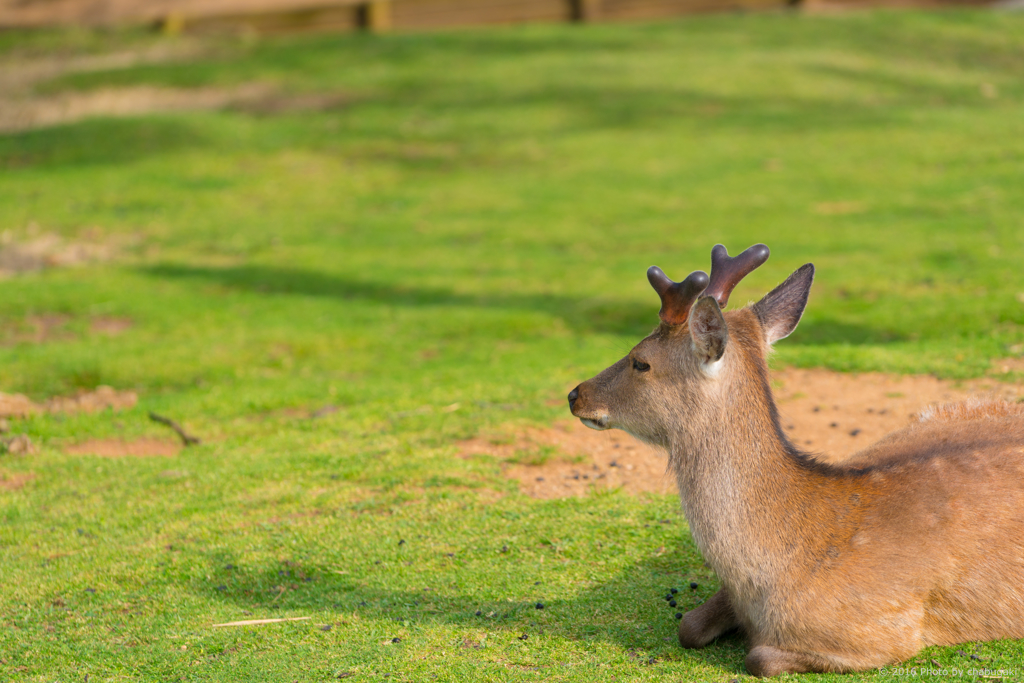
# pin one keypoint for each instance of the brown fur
(917, 540)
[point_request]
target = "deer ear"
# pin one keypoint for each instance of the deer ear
(707, 328)
(780, 310)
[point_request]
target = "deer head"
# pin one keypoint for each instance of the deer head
(698, 360)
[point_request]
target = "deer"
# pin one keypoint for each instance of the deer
(824, 566)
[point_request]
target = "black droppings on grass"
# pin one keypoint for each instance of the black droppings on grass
(536, 583)
(401, 541)
(523, 637)
(671, 603)
(90, 590)
(540, 605)
(222, 587)
(679, 615)
(479, 613)
(396, 640)
(229, 566)
(377, 562)
(673, 591)
(694, 585)
(325, 627)
(504, 548)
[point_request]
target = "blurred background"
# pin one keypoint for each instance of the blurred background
(362, 250)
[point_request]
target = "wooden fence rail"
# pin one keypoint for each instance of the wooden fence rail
(287, 16)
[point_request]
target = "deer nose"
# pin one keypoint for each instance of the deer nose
(573, 395)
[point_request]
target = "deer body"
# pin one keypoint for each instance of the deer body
(917, 540)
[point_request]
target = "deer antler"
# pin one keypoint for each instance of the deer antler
(676, 297)
(726, 271)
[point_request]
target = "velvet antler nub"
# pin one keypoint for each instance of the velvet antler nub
(676, 297)
(727, 271)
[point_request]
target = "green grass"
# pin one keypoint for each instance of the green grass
(472, 226)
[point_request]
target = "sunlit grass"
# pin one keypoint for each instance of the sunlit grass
(311, 292)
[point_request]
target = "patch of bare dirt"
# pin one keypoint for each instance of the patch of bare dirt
(836, 414)
(114, 448)
(572, 460)
(19, 405)
(35, 329)
(31, 112)
(38, 252)
(12, 481)
(110, 326)
(829, 413)
(20, 72)
(19, 444)
(52, 327)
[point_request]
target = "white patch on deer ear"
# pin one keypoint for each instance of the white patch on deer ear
(712, 368)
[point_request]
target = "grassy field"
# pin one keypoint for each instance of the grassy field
(447, 236)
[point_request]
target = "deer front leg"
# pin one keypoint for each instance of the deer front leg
(765, 661)
(705, 623)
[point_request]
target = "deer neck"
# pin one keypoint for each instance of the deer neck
(741, 489)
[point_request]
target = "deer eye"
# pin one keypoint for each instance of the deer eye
(640, 366)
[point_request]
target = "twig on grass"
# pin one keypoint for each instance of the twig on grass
(257, 622)
(186, 438)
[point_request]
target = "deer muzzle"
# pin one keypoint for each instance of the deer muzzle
(595, 419)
